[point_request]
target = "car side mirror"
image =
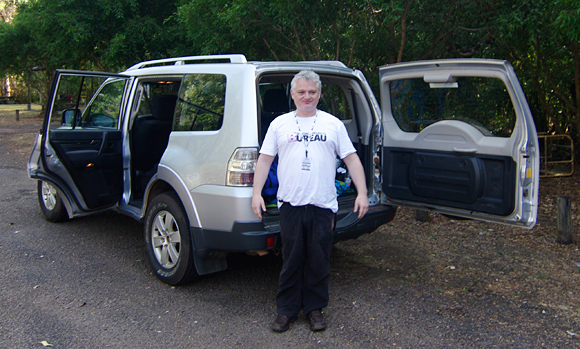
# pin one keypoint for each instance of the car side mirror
(68, 116)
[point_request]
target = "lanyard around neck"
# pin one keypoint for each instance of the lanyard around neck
(298, 124)
(306, 136)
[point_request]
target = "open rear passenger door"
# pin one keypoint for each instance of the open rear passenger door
(459, 139)
(81, 146)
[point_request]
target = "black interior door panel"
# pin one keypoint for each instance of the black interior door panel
(482, 183)
(94, 160)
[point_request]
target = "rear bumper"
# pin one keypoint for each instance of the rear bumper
(245, 236)
(374, 218)
(252, 236)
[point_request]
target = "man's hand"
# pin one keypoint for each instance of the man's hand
(357, 173)
(258, 205)
(361, 205)
(260, 174)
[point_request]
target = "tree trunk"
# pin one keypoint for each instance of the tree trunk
(565, 235)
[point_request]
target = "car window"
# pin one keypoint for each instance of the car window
(334, 101)
(201, 103)
(155, 98)
(106, 106)
(87, 102)
(482, 102)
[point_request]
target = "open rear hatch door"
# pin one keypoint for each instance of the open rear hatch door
(459, 139)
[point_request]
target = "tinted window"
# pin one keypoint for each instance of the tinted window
(334, 101)
(149, 91)
(72, 98)
(482, 102)
(201, 103)
(105, 107)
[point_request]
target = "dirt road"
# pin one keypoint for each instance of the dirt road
(446, 283)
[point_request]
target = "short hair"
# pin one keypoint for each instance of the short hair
(307, 75)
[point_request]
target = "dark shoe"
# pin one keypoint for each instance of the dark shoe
(317, 322)
(282, 323)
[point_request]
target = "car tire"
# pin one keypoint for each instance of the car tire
(50, 202)
(168, 240)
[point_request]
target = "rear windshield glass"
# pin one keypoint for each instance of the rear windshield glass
(481, 102)
(333, 100)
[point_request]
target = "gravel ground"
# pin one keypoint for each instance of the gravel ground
(442, 283)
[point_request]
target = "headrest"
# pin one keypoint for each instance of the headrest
(275, 101)
(163, 107)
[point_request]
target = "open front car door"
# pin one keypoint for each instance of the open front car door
(459, 139)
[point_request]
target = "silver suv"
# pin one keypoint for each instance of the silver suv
(173, 144)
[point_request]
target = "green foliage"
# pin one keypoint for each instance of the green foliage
(541, 38)
(568, 18)
(101, 34)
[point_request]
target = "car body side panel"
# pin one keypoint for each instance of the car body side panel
(208, 152)
(168, 175)
(220, 206)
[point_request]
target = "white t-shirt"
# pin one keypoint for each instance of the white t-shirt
(306, 169)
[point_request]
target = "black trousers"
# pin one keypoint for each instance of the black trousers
(307, 234)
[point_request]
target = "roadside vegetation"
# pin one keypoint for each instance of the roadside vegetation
(540, 38)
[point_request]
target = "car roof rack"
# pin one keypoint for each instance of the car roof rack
(235, 58)
(301, 63)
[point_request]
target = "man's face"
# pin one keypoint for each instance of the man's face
(306, 96)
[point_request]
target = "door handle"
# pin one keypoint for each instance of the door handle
(465, 150)
(104, 140)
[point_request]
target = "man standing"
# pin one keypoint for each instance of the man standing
(307, 143)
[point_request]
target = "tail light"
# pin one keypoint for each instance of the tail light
(377, 174)
(241, 167)
(270, 241)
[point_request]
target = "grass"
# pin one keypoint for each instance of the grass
(10, 109)
(25, 116)
(21, 107)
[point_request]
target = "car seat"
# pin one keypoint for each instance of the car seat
(151, 136)
(274, 103)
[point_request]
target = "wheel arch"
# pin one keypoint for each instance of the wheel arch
(167, 180)
(62, 193)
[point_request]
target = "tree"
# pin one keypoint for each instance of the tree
(7, 10)
(540, 38)
(106, 35)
